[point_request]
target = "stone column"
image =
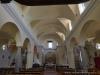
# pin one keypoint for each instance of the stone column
(18, 59)
(70, 57)
(29, 58)
(40, 55)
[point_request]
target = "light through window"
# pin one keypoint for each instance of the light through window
(81, 8)
(98, 46)
(4, 47)
(50, 44)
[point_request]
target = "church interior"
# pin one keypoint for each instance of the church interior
(71, 46)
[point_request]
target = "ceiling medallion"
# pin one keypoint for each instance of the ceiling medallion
(45, 2)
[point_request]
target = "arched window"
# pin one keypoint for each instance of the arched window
(81, 7)
(4, 47)
(50, 44)
(98, 46)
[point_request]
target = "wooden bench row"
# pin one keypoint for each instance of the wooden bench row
(40, 71)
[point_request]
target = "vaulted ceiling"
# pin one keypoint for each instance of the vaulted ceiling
(45, 20)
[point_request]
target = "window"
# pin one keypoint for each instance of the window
(50, 44)
(81, 8)
(98, 46)
(81, 56)
(70, 25)
(4, 47)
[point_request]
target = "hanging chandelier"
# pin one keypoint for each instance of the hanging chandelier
(45, 2)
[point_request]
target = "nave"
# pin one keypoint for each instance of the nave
(50, 39)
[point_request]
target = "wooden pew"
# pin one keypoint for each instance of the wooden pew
(63, 70)
(4, 71)
(31, 71)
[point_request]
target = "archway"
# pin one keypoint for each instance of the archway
(8, 41)
(89, 35)
(25, 50)
(89, 29)
(80, 56)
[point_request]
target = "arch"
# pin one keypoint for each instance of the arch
(50, 23)
(28, 54)
(49, 28)
(10, 35)
(90, 35)
(9, 27)
(50, 31)
(58, 33)
(53, 36)
(89, 29)
(11, 24)
(11, 30)
(8, 32)
(26, 43)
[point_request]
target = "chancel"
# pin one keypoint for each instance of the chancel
(49, 37)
